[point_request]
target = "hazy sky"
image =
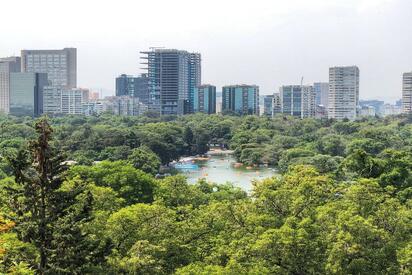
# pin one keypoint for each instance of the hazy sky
(264, 42)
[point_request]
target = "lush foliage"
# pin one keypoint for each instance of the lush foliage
(342, 204)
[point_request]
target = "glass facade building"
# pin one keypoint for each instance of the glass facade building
(298, 101)
(7, 65)
(241, 99)
(173, 76)
(268, 105)
(204, 100)
(127, 85)
(26, 93)
(322, 93)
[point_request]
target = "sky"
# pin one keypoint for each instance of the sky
(265, 42)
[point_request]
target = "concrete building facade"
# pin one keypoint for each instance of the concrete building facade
(60, 65)
(343, 92)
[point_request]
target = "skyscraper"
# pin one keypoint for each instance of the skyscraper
(298, 101)
(26, 93)
(60, 65)
(407, 93)
(241, 99)
(7, 65)
(343, 92)
(204, 100)
(173, 76)
(322, 93)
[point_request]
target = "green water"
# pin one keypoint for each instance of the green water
(220, 169)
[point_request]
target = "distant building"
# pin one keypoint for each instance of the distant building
(343, 92)
(241, 99)
(58, 100)
(52, 99)
(407, 93)
(277, 104)
(298, 101)
(124, 106)
(367, 111)
(321, 90)
(26, 93)
(173, 76)
(268, 105)
(93, 107)
(7, 65)
(60, 65)
(376, 104)
(142, 88)
(125, 85)
(321, 112)
(204, 100)
(391, 110)
(94, 96)
(72, 101)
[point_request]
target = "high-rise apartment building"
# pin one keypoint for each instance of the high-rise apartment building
(322, 93)
(298, 101)
(60, 65)
(173, 76)
(343, 92)
(204, 100)
(26, 93)
(7, 65)
(407, 93)
(241, 99)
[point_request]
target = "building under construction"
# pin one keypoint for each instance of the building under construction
(173, 76)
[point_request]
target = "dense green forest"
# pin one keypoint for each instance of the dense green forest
(341, 205)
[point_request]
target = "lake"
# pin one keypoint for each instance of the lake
(220, 169)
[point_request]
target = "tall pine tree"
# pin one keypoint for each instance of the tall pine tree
(46, 213)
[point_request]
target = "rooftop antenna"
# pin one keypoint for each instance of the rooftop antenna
(301, 81)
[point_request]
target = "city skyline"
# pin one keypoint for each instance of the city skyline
(262, 50)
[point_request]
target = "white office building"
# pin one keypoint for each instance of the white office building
(343, 92)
